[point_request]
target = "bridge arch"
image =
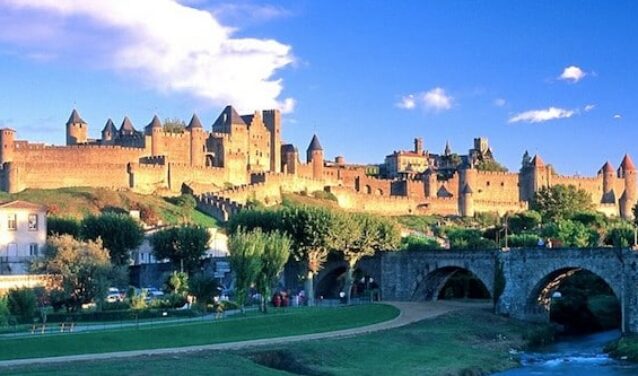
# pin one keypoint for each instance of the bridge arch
(329, 282)
(431, 281)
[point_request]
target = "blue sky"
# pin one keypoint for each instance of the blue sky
(555, 78)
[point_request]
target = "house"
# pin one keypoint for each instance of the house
(23, 231)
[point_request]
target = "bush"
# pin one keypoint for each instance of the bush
(22, 303)
(571, 233)
(539, 336)
(115, 306)
(469, 239)
(323, 195)
(521, 241)
(63, 226)
(118, 315)
(170, 301)
(523, 222)
(419, 243)
(620, 236)
(4, 312)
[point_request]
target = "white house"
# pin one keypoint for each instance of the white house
(23, 232)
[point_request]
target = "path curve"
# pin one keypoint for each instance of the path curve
(410, 312)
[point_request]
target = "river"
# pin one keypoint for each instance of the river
(574, 356)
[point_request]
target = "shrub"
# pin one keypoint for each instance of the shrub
(63, 226)
(571, 233)
(22, 303)
(419, 243)
(538, 336)
(323, 195)
(4, 312)
(469, 239)
(620, 236)
(521, 241)
(115, 306)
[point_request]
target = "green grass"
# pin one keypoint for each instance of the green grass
(287, 323)
(462, 343)
(77, 202)
(626, 346)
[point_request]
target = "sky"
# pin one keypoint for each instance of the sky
(552, 77)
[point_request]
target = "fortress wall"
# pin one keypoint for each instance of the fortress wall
(379, 187)
(177, 146)
(305, 170)
(235, 164)
(181, 173)
(496, 186)
(441, 206)
(58, 175)
(78, 154)
(389, 205)
(594, 186)
(610, 210)
(148, 178)
(501, 207)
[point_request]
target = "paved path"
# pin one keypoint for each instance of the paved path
(410, 313)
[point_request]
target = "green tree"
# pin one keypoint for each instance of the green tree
(62, 226)
(419, 243)
(267, 220)
(21, 303)
(177, 283)
(490, 165)
(620, 235)
(273, 259)
(4, 312)
(82, 266)
(572, 233)
(174, 125)
(363, 235)
(245, 253)
(312, 230)
(469, 239)
(203, 288)
(184, 246)
(524, 221)
(561, 202)
(119, 233)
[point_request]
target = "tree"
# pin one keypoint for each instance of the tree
(183, 246)
(21, 303)
(203, 288)
(312, 230)
(363, 235)
(523, 222)
(490, 165)
(82, 266)
(461, 238)
(572, 233)
(620, 235)
(177, 283)
(186, 204)
(174, 125)
(273, 259)
(62, 226)
(560, 202)
(120, 234)
(245, 252)
(267, 220)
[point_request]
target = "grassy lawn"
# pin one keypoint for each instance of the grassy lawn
(79, 201)
(462, 343)
(627, 346)
(288, 323)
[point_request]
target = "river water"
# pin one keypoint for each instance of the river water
(574, 356)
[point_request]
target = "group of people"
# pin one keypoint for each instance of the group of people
(544, 244)
(283, 298)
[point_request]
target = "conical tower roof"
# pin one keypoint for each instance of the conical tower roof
(155, 123)
(607, 168)
(627, 164)
(127, 126)
(109, 126)
(194, 123)
(314, 144)
(227, 117)
(448, 149)
(75, 118)
(467, 189)
(537, 161)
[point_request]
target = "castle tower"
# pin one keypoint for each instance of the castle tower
(540, 174)
(290, 158)
(627, 171)
(198, 141)
(609, 181)
(272, 120)
(7, 145)
(76, 129)
(314, 155)
(418, 145)
(109, 133)
(156, 131)
(467, 201)
(431, 182)
(448, 150)
(126, 129)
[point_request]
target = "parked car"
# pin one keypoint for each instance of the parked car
(113, 295)
(153, 293)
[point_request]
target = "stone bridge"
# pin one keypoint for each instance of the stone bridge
(531, 276)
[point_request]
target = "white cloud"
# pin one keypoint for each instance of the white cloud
(589, 107)
(168, 46)
(437, 100)
(539, 116)
(500, 102)
(617, 116)
(572, 74)
(407, 102)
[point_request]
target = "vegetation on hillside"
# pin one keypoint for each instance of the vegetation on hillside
(78, 202)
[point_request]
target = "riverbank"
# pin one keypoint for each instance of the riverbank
(625, 348)
(467, 342)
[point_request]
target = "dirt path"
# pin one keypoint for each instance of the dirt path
(410, 312)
